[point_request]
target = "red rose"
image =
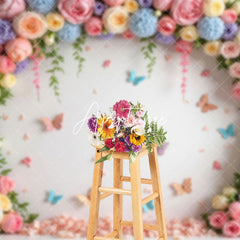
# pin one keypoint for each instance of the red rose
(120, 147)
(109, 143)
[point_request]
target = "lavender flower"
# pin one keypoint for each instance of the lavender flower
(230, 31)
(127, 140)
(145, 3)
(92, 124)
(21, 66)
(167, 40)
(6, 31)
(99, 8)
(136, 148)
(106, 36)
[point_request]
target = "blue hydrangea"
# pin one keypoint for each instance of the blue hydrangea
(143, 23)
(69, 32)
(211, 28)
(42, 6)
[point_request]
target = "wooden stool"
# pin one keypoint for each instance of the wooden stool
(99, 193)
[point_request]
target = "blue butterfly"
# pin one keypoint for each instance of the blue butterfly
(148, 206)
(134, 79)
(229, 132)
(52, 198)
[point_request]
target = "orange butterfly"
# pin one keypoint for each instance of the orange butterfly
(85, 199)
(186, 187)
(204, 105)
(50, 125)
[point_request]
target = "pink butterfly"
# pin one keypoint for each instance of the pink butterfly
(217, 165)
(205, 73)
(50, 125)
(27, 161)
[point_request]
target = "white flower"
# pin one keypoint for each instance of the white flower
(139, 130)
(94, 139)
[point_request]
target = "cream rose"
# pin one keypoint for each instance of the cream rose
(189, 33)
(7, 81)
(212, 48)
(213, 8)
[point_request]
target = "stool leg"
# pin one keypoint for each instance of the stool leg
(154, 168)
(136, 199)
(117, 198)
(95, 198)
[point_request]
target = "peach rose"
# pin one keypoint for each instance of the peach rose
(187, 12)
(11, 8)
(93, 26)
(114, 2)
(12, 223)
(75, 11)
(235, 70)
(230, 50)
(18, 49)
(162, 5)
(6, 185)
(218, 219)
(30, 25)
(229, 16)
(231, 229)
(166, 26)
(236, 91)
(6, 66)
(234, 211)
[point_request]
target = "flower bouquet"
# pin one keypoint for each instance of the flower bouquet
(226, 217)
(127, 130)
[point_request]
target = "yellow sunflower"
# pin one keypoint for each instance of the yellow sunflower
(136, 139)
(104, 123)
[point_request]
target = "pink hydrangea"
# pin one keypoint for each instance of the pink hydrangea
(93, 26)
(229, 16)
(6, 185)
(230, 50)
(11, 8)
(218, 219)
(12, 222)
(6, 66)
(122, 108)
(234, 209)
(231, 229)
(187, 12)
(234, 70)
(75, 11)
(236, 91)
(162, 5)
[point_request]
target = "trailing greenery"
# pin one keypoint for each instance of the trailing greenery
(107, 157)
(5, 93)
(3, 162)
(148, 52)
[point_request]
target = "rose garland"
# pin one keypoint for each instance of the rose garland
(28, 26)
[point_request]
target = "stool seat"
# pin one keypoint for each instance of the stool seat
(100, 192)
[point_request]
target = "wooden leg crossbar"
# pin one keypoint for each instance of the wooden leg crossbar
(99, 193)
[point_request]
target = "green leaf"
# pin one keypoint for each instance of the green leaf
(105, 148)
(31, 217)
(5, 94)
(5, 172)
(132, 156)
(107, 157)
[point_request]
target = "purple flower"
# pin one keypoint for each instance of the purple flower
(136, 148)
(99, 8)
(6, 31)
(127, 140)
(167, 40)
(145, 3)
(106, 36)
(92, 124)
(230, 31)
(21, 66)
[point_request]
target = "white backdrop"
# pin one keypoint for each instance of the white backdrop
(63, 162)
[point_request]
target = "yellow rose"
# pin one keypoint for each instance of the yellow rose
(5, 203)
(212, 48)
(213, 8)
(189, 33)
(8, 81)
(115, 19)
(131, 6)
(220, 202)
(236, 7)
(55, 22)
(228, 191)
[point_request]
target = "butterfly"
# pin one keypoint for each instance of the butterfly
(50, 125)
(217, 165)
(148, 206)
(27, 161)
(85, 199)
(186, 187)
(205, 105)
(134, 79)
(229, 132)
(52, 198)
(161, 150)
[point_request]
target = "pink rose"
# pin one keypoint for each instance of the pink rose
(231, 229)
(6, 185)
(217, 219)
(187, 12)
(230, 49)
(12, 223)
(11, 8)
(18, 49)
(234, 209)
(182, 46)
(235, 70)
(131, 120)
(162, 5)
(114, 2)
(6, 66)
(229, 16)
(75, 11)
(140, 113)
(166, 26)
(93, 26)
(236, 91)
(128, 34)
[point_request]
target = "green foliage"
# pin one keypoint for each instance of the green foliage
(3, 163)
(230, 3)
(105, 148)
(237, 181)
(107, 157)
(199, 42)
(148, 52)
(5, 94)
(22, 208)
(78, 49)
(132, 156)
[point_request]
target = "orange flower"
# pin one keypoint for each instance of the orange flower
(105, 129)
